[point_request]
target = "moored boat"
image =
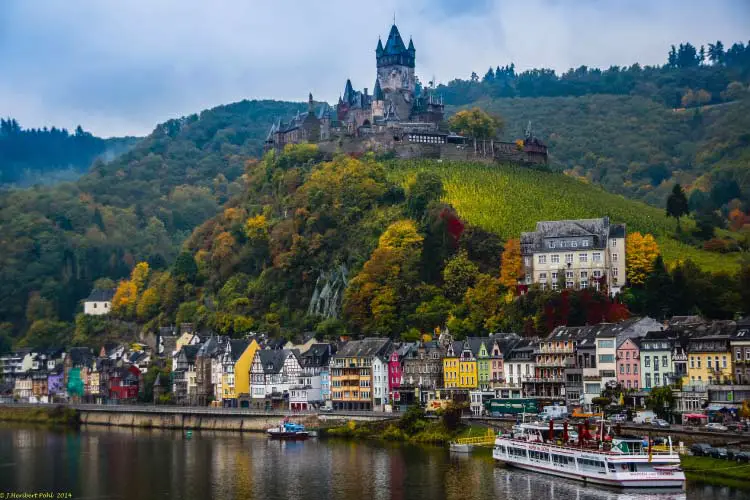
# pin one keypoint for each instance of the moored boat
(621, 461)
(288, 430)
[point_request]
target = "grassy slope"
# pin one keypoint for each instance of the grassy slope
(509, 199)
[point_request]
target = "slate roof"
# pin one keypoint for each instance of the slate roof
(716, 328)
(101, 295)
(599, 229)
(377, 93)
(80, 356)
(475, 343)
(238, 347)
(191, 351)
(318, 355)
(366, 348)
(272, 360)
(394, 45)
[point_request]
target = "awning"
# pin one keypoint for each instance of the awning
(695, 415)
(716, 407)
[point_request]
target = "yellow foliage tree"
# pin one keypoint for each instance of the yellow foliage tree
(148, 305)
(124, 301)
(640, 250)
(139, 275)
(256, 228)
(511, 264)
(401, 235)
(223, 246)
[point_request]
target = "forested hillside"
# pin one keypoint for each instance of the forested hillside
(55, 241)
(399, 248)
(44, 156)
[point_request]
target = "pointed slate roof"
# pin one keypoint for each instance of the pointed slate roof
(395, 45)
(348, 92)
(379, 48)
(377, 93)
(411, 45)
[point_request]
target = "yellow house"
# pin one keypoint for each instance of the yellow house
(450, 366)
(709, 360)
(236, 360)
(460, 367)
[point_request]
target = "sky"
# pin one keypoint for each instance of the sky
(119, 68)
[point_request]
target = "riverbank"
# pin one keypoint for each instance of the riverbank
(412, 427)
(52, 416)
(716, 472)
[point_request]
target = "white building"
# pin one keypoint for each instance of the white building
(575, 254)
(273, 372)
(307, 393)
(99, 302)
(379, 382)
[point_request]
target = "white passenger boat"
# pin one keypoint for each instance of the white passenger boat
(625, 461)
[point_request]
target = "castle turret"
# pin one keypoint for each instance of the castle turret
(378, 102)
(379, 48)
(310, 103)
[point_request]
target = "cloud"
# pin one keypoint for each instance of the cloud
(122, 67)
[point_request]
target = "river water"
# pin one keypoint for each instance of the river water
(111, 463)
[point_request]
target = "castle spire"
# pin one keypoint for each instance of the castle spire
(377, 93)
(379, 49)
(310, 103)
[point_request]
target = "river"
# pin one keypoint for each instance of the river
(113, 463)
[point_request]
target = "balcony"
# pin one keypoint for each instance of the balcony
(592, 378)
(554, 350)
(552, 380)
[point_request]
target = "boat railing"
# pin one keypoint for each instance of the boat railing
(588, 450)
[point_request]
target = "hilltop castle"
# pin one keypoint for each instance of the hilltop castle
(400, 116)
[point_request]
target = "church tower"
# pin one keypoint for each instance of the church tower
(396, 64)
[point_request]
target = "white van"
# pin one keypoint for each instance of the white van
(644, 417)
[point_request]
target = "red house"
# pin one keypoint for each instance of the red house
(395, 371)
(124, 384)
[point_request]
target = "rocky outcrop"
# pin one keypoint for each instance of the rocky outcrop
(329, 292)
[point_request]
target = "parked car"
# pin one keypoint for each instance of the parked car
(731, 453)
(716, 427)
(658, 422)
(701, 449)
(719, 453)
(326, 409)
(742, 457)
(618, 418)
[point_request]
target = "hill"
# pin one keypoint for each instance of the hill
(45, 156)
(633, 145)
(508, 199)
(56, 241)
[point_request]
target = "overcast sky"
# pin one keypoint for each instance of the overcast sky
(121, 67)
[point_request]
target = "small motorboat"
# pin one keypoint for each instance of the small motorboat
(459, 447)
(288, 430)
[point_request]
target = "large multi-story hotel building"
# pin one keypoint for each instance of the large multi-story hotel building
(575, 254)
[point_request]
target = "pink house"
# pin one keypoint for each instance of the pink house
(496, 364)
(394, 374)
(628, 363)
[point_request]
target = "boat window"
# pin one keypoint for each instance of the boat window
(562, 459)
(611, 467)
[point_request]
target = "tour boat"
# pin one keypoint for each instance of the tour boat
(620, 461)
(288, 430)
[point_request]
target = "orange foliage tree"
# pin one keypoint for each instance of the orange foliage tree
(511, 264)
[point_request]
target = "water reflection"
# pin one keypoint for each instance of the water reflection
(144, 464)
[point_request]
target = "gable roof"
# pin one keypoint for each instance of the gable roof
(237, 348)
(366, 348)
(272, 360)
(191, 351)
(101, 295)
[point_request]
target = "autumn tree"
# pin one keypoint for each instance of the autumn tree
(425, 188)
(125, 299)
(139, 276)
(641, 252)
(148, 305)
(511, 266)
(477, 124)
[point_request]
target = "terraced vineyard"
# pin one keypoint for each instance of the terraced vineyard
(508, 199)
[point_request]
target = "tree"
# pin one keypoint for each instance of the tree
(139, 276)
(659, 290)
(125, 299)
(716, 53)
(476, 124)
(641, 252)
(185, 269)
(672, 58)
(148, 305)
(459, 274)
(427, 187)
(677, 203)
(660, 400)
(511, 266)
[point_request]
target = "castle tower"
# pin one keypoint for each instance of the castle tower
(396, 64)
(310, 105)
(378, 102)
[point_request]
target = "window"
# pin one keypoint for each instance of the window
(635, 383)
(692, 362)
(596, 257)
(656, 363)
(648, 381)
(664, 361)
(606, 344)
(542, 276)
(574, 244)
(622, 369)
(647, 360)
(569, 284)
(699, 363)
(585, 243)
(569, 258)
(584, 257)
(627, 354)
(738, 355)
(542, 259)
(555, 259)
(723, 361)
(554, 285)
(554, 276)
(527, 261)
(597, 274)
(606, 358)
(583, 285)
(628, 384)
(613, 243)
(584, 275)
(569, 274)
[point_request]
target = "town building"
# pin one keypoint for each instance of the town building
(184, 384)
(351, 373)
(307, 393)
(575, 254)
(553, 355)
(380, 379)
(740, 344)
(272, 374)
(628, 364)
(519, 369)
(709, 352)
(235, 367)
(99, 302)
(423, 370)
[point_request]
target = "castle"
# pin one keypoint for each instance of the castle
(399, 116)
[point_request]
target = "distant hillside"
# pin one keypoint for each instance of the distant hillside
(46, 156)
(55, 241)
(632, 145)
(507, 200)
